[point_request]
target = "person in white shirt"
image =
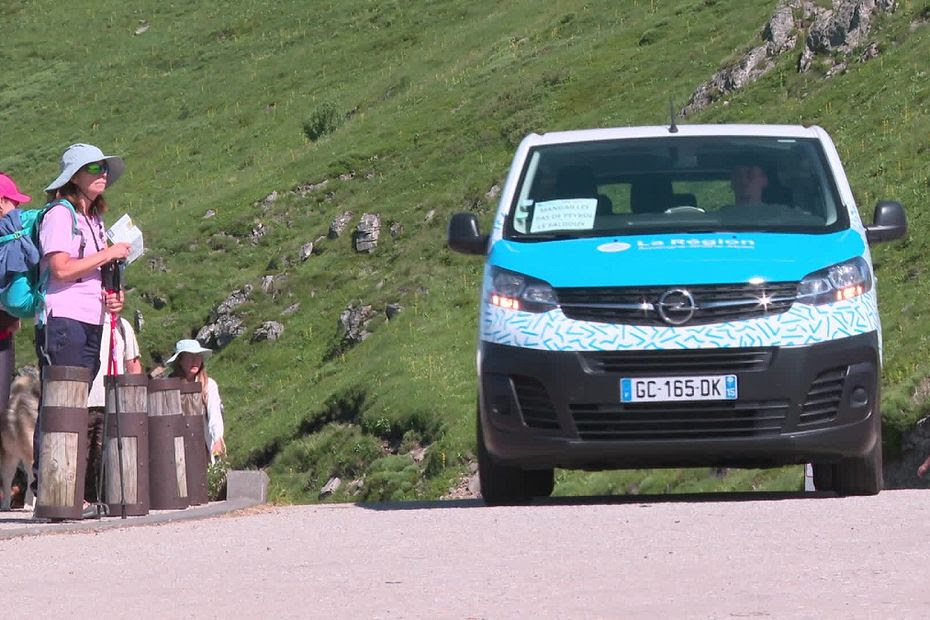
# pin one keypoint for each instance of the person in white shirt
(126, 355)
(188, 360)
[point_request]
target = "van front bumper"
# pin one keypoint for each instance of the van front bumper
(816, 403)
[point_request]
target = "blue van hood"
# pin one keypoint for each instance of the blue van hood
(676, 259)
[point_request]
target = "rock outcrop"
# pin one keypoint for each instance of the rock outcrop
(269, 331)
(354, 321)
(836, 33)
(840, 29)
(224, 326)
(367, 233)
(339, 225)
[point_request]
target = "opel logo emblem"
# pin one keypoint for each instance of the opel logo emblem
(676, 306)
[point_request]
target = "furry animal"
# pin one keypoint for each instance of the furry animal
(17, 426)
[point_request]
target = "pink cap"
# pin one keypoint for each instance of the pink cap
(9, 190)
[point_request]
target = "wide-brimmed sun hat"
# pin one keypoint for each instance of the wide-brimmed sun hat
(189, 346)
(9, 190)
(77, 156)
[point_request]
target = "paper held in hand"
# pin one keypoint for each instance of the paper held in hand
(127, 232)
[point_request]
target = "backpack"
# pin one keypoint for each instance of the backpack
(22, 287)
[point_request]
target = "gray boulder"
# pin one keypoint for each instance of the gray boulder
(339, 225)
(354, 321)
(235, 300)
(367, 233)
(269, 200)
(330, 487)
(224, 326)
(272, 284)
(306, 251)
(306, 188)
(269, 331)
(258, 231)
(221, 332)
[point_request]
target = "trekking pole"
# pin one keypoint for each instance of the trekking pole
(101, 507)
(113, 371)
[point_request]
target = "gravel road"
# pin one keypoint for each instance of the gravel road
(707, 556)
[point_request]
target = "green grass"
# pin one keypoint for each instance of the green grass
(424, 103)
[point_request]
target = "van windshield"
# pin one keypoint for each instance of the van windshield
(675, 184)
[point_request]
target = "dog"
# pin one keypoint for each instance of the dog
(17, 426)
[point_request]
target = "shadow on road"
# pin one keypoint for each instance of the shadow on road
(734, 496)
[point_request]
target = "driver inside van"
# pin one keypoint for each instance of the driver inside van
(748, 183)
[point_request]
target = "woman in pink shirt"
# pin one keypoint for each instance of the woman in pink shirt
(74, 248)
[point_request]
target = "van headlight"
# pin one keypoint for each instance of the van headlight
(515, 291)
(840, 282)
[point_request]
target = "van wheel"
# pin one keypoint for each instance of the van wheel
(540, 482)
(503, 485)
(860, 476)
(823, 476)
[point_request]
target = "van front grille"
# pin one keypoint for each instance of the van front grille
(716, 303)
(535, 405)
(823, 398)
(660, 421)
(664, 363)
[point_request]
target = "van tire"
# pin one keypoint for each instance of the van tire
(823, 476)
(540, 482)
(503, 485)
(860, 476)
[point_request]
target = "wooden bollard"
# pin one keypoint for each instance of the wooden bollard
(167, 462)
(194, 443)
(63, 442)
(127, 395)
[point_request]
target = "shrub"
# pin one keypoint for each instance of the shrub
(323, 119)
(216, 479)
(391, 478)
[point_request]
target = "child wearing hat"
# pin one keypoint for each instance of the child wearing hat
(10, 198)
(188, 360)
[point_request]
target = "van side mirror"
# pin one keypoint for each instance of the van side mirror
(464, 235)
(889, 223)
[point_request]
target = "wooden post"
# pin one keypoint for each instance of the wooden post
(63, 442)
(195, 445)
(132, 404)
(167, 469)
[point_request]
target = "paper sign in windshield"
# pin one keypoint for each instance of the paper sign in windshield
(566, 214)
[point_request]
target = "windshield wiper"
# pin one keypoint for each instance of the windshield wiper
(546, 237)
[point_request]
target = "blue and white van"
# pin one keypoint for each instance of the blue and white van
(700, 295)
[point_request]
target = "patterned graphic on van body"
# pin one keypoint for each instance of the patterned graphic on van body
(800, 325)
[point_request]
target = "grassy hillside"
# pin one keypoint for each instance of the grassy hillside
(421, 104)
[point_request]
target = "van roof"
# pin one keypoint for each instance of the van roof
(659, 131)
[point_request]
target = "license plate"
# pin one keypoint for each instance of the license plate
(662, 389)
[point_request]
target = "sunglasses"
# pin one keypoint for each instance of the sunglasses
(96, 168)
